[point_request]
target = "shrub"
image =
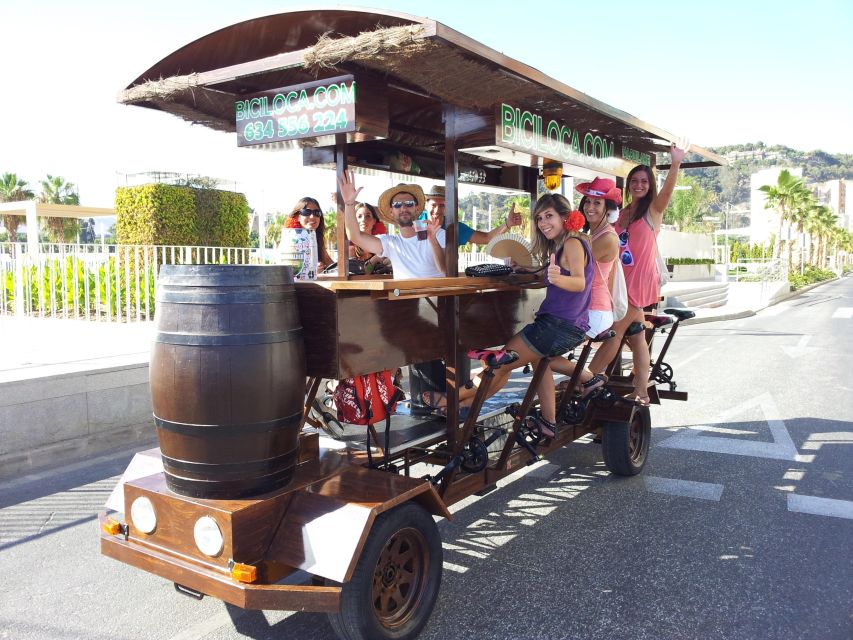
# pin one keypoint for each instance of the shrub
(809, 276)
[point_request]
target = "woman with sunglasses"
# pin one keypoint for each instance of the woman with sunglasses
(637, 228)
(310, 216)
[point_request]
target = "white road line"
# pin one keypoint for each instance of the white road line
(820, 506)
(782, 447)
(843, 312)
(684, 488)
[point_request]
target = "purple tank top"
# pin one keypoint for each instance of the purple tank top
(567, 305)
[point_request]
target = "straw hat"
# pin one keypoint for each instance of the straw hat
(436, 192)
(384, 206)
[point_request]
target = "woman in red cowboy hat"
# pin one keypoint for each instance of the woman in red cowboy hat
(601, 199)
(637, 229)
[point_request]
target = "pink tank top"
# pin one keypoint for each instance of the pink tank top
(600, 300)
(641, 278)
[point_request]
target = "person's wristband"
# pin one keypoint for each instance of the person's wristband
(349, 204)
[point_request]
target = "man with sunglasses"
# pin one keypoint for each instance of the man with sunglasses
(400, 206)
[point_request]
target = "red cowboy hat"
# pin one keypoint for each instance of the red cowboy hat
(601, 188)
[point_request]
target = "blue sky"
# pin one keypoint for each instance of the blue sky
(720, 73)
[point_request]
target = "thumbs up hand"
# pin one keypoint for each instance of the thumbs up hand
(553, 269)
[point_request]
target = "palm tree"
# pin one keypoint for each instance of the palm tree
(13, 189)
(803, 207)
(826, 222)
(782, 197)
(56, 190)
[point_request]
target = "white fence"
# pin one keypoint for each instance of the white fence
(113, 283)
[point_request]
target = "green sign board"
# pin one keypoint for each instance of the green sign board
(538, 135)
(307, 110)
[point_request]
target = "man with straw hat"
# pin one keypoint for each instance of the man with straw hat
(410, 256)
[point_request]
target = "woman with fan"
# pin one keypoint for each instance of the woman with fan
(562, 319)
(600, 203)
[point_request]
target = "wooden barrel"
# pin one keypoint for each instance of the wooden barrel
(227, 378)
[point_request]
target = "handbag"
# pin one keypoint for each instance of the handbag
(619, 292)
(487, 270)
(662, 270)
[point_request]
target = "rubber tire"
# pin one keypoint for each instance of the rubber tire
(357, 618)
(621, 456)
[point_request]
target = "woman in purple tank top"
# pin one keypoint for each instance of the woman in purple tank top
(562, 319)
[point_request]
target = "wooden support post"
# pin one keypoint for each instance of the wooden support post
(343, 245)
(448, 306)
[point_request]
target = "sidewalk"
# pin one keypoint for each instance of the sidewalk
(41, 347)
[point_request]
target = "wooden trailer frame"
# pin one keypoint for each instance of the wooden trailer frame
(489, 120)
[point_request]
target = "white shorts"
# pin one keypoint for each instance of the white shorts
(599, 321)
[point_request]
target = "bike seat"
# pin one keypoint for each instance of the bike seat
(493, 357)
(658, 321)
(604, 335)
(634, 328)
(680, 314)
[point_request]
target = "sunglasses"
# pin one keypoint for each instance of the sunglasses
(625, 256)
(403, 203)
(311, 212)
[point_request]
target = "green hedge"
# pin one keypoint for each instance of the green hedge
(177, 215)
(810, 275)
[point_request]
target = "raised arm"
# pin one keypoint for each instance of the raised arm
(677, 151)
(573, 261)
(433, 229)
(349, 193)
(513, 219)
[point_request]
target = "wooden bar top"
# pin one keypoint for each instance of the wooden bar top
(462, 284)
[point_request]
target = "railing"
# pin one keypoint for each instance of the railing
(758, 270)
(113, 283)
(110, 283)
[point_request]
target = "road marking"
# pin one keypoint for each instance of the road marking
(843, 312)
(801, 349)
(820, 506)
(782, 447)
(684, 488)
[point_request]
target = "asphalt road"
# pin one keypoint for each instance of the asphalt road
(740, 526)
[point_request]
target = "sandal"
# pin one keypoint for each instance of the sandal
(543, 427)
(637, 399)
(595, 382)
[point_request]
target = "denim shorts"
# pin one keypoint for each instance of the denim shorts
(551, 336)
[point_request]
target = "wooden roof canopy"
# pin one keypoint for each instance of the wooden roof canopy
(419, 65)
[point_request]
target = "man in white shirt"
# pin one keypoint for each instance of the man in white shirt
(410, 256)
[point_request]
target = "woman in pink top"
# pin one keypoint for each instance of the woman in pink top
(638, 226)
(601, 200)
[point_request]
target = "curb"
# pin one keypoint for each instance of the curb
(746, 313)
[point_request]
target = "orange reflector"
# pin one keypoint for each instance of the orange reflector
(244, 572)
(111, 527)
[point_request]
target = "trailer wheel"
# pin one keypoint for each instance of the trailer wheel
(396, 581)
(626, 444)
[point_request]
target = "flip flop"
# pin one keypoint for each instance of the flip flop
(637, 399)
(431, 399)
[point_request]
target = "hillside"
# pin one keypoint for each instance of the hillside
(731, 183)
